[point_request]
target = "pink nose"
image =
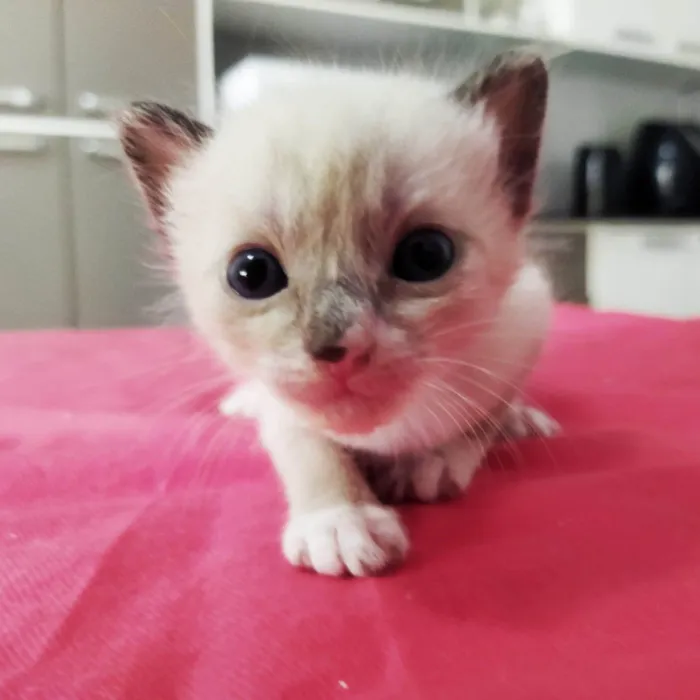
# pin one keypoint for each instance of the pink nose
(341, 360)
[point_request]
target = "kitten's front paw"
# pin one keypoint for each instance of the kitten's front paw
(240, 402)
(521, 421)
(362, 540)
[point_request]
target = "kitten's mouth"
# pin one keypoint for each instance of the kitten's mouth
(351, 405)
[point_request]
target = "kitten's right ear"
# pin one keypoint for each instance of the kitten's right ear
(156, 138)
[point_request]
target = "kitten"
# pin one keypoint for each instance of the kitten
(356, 254)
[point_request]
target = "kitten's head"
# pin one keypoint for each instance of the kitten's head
(329, 241)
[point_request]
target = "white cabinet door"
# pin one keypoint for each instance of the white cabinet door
(650, 270)
(35, 246)
(30, 56)
(122, 50)
(115, 277)
(637, 25)
(633, 26)
(684, 16)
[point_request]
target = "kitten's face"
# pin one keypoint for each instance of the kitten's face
(335, 246)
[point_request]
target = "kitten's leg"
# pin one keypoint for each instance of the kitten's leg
(336, 524)
(522, 421)
(440, 474)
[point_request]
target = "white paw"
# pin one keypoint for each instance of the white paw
(523, 421)
(362, 540)
(240, 402)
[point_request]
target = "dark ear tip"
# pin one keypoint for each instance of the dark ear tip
(529, 64)
(148, 115)
(135, 115)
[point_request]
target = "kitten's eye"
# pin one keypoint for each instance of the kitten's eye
(256, 274)
(423, 255)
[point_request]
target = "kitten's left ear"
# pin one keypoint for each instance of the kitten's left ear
(513, 90)
(155, 139)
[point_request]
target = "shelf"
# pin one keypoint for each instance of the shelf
(385, 30)
(634, 226)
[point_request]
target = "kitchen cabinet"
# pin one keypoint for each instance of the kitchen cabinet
(615, 23)
(35, 254)
(119, 51)
(30, 71)
(684, 18)
(116, 276)
(645, 269)
(74, 247)
(563, 255)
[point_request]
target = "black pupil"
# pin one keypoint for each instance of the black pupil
(254, 271)
(428, 253)
(423, 255)
(256, 274)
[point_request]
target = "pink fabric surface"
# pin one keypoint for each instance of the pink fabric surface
(139, 553)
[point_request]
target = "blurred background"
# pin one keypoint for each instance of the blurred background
(619, 193)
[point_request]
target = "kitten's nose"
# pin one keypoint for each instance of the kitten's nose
(330, 353)
(343, 359)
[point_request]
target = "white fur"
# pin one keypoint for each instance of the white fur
(221, 195)
(501, 359)
(356, 539)
(257, 176)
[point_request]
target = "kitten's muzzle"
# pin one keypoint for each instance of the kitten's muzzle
(338, 332)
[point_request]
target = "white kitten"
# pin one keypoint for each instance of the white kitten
(356, 254)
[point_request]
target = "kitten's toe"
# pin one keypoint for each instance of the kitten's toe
(443, 476)
(361, 540)
(522, 421)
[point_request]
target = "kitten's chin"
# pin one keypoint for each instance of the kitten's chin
(348, 409)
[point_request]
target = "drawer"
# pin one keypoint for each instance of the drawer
(121, 50)
(30, 57)
(650, 271)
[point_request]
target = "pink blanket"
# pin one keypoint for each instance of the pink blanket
(139, 554)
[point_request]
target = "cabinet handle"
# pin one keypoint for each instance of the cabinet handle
(99, 106)
(635, 36)
(102, 149)
(689, 47)
(22, 143)
(19, 99)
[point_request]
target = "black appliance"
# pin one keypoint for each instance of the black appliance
(663, 175)
(598, 182)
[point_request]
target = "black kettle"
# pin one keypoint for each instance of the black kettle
(598, 182)
(663, 178)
